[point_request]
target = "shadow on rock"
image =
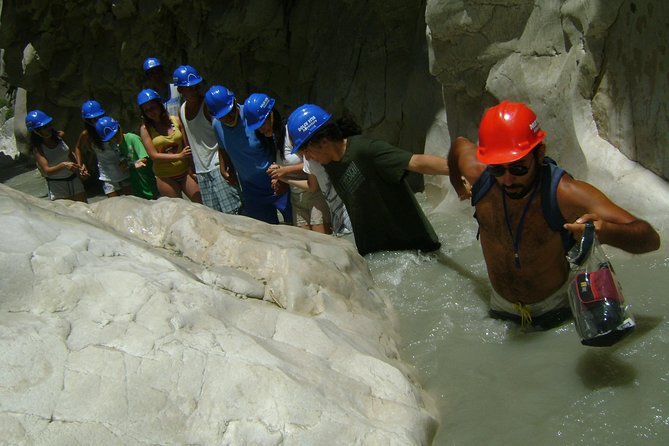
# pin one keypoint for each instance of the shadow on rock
(9, 167)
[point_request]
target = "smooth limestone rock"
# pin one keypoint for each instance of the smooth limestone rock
(136, 322)
(8, 150)
(595, 72)
(573, 61)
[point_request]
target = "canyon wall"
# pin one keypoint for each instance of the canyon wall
(367, 59)
(575, 62)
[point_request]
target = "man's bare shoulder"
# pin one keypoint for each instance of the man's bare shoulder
(576, 198)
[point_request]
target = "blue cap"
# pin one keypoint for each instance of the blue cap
(151, 62)
(147, 95)
(219, 100)
(37, 119)
(107, 128)
(256, 110)
(304, 122)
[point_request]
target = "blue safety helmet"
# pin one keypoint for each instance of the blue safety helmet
(186, 76)
(37, 119)
(304, 122)
(91, 109)
(107, 127)
(151, 62)
(256, 110)
(147, 95)
(219, 100)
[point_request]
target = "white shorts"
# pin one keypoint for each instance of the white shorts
(556, 300)
(547, 313)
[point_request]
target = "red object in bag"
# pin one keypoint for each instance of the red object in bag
(597, 286)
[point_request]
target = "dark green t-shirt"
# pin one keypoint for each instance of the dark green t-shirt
(385, 215)
(142, 180)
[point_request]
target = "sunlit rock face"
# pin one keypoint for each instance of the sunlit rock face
(130, 321)
(8, 150)
(595, 72)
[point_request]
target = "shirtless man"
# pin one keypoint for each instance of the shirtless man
(525, 258)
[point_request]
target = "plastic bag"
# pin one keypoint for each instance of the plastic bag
(595, 296)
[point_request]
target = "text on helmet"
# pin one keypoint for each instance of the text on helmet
(310, 122)
(534, 126)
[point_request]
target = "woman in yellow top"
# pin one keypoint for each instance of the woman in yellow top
(166, 144)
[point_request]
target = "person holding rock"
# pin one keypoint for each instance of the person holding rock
(156, 80)
(250, 158)
(529, 212)
(370, 177)
(131, 148)
(211, 163)
(58, 164)
(310, 210)
(162, 135)
(112, 168)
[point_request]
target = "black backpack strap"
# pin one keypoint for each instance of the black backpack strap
(482, 186)
(551, 176)
(479, 189)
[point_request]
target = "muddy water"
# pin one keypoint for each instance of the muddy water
(494, 384)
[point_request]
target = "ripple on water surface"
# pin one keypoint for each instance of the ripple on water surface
(495, 384)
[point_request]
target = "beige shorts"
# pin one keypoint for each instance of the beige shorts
(555, 308)
(309, 208)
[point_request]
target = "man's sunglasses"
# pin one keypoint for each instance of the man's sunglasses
(517, 170)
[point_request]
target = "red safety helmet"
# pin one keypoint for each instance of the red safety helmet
(507, 132)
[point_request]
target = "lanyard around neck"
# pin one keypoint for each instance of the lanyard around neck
(519, 228)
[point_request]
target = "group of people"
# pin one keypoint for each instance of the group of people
(235, 158)
(321, 173)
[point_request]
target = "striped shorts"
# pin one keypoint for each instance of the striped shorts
(218, 194)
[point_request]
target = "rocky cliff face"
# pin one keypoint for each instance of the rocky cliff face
(573, 61)
(364, 58)
(576, 62)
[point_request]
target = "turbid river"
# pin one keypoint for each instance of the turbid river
(495, 385)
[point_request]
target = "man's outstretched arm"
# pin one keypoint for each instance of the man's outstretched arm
(581, 202)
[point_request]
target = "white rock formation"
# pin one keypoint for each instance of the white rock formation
(136, 322)
(596, 72)
(8, 150)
